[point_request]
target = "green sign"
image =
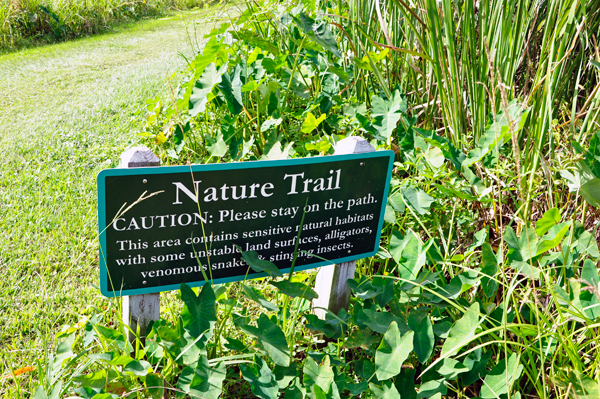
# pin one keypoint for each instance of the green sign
(163, 226)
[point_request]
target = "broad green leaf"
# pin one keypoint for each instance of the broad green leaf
(285, 375)
(582, 386)
(321, 375)
(418, 199)
(476, 362)
(501, 378)
(113, 338)
(198, 315)
(405, 383)
(432, 389)
(357, 388)
(331, 326)
(318, 32)
(96, 379)
(250, 86)
(551, 217)
(380, 321)
(396, 202)
(451, 368)
(590, 191)
(424, 341)
(269, 123)
(111, 358)
(137, 367)
(255, 40)
(311, 122)
(526, 268)
(182, 346)
(63, 353)
(202, 381)
(209, 55)
(462, 332)
(322, 146)
(362, 337)
(435, 157)
(296, 390)
(497, 133)
(589, 299)
(479, 238)
(260, 265)
(40, 393)
(295, 289)
(340, 72)
(155, 386)
(363, 288)
(553, 238)
(387, 113)
(392, 352)
(217, 146)
(489, 270)
(231, 87)
(525, 246)
(586, 244)
(409, 253)
(202, 88)
(271, 339)
(452, 192)
(255, 295)
(179, 137)
(387, 390)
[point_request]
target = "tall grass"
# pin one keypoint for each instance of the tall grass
(462, 62)
(50, 20)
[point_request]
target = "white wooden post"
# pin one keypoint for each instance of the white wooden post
(331, 284)
(140, 310)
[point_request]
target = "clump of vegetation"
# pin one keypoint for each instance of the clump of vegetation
(486, 283)
(40, 21)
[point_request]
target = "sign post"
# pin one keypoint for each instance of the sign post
(331, 284)
(140, 310)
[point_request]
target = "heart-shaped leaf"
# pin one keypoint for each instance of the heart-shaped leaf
(387, 113)
(423, 333)
(418, 199)
(392, 352)
(271, 339)
(198, 315)
(321, 375)
(462, 332)
(262, 380)
(202, 381)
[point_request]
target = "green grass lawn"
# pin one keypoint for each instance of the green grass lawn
(67, 112)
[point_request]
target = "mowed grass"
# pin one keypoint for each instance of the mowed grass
(67, 112)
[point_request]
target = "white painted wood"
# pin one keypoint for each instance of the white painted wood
(140, 310)
(331, 283)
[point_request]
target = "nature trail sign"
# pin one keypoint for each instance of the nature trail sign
(163, 226)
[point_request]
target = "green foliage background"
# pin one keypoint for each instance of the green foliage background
(37, 21)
